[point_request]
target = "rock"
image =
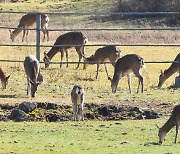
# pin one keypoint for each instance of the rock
(152, 115)
(27, 107)
(18, 115)
(3, 118)
(103, 111)
(52, 118)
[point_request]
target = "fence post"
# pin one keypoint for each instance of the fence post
(38, 39)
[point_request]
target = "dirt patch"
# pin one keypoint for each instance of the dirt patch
(51, 112)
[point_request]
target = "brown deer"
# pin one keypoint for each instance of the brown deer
(77, 97)
(27, 21)
(32, 70)
(130, 63)
(175, 67)
(105, 54)
(4, 79)
(174, 120)
(67, 41)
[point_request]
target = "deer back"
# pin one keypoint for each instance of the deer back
(32, 67)
(70, 39)
(129, 63)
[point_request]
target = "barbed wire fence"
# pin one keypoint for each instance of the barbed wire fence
(38, 45)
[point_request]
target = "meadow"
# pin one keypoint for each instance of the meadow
(137, 136)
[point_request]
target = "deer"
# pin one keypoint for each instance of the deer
(130, 63)
(108, 53)
(77, 97)
(174, 67)
(66, 41)
(27, 21)
(4, 78)
(174, 120)
(34, 78)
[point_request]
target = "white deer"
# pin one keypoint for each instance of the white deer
(174, 120)
(67, 41)
(175, 67)
(105, 54)
(130, 63)
(27, 21)
(77, 97)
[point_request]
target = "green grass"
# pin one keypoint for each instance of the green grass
(86, 137)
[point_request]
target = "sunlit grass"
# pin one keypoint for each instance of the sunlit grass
(86, 137)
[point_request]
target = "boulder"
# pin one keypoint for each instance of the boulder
(27, 107)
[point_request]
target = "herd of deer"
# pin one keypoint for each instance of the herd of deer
(124, 66)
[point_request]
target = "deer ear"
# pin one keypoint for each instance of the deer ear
(157, 126)
(10, 31)
(109, 78)
(8, 77)
(162, 72)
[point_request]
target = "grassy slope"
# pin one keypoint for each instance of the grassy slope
(87, 137)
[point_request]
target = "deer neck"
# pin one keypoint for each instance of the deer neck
(16, 31)
(52, 52)
(170, 71)
(168, 125)
(2, 75)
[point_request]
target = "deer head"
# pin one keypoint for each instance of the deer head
(4, 81)
(46, 60)
(162, 79)
(34, 86)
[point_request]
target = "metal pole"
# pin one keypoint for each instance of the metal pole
(38, 27)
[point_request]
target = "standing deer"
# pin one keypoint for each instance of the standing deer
(67, 40)
(175, 67)
(27, 21)
(174, 120)
(4, 79)
(32, 70)
(131, 63)
(77, 97)
(105, 54)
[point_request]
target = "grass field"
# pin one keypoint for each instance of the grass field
(89, 136)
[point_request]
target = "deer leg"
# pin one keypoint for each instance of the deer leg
(138, 75)
(80, 51)
(67, 57)
(74, 111)
(97, 70)
(62, 55)
(129, 82)
(28, 86)
(177, 128)
(106, 69)
(47, 33)
(24, 32)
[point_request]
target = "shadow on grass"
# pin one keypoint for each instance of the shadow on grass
(151, 143)
(7, 96)
(86, 79)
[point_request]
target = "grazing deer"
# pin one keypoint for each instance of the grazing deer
(175, 67)
(27, 21)
(77, 97)
(32, 70)
(4, 79)
(105, 54)
(131, 63)
(69, 40)
(174, 120)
